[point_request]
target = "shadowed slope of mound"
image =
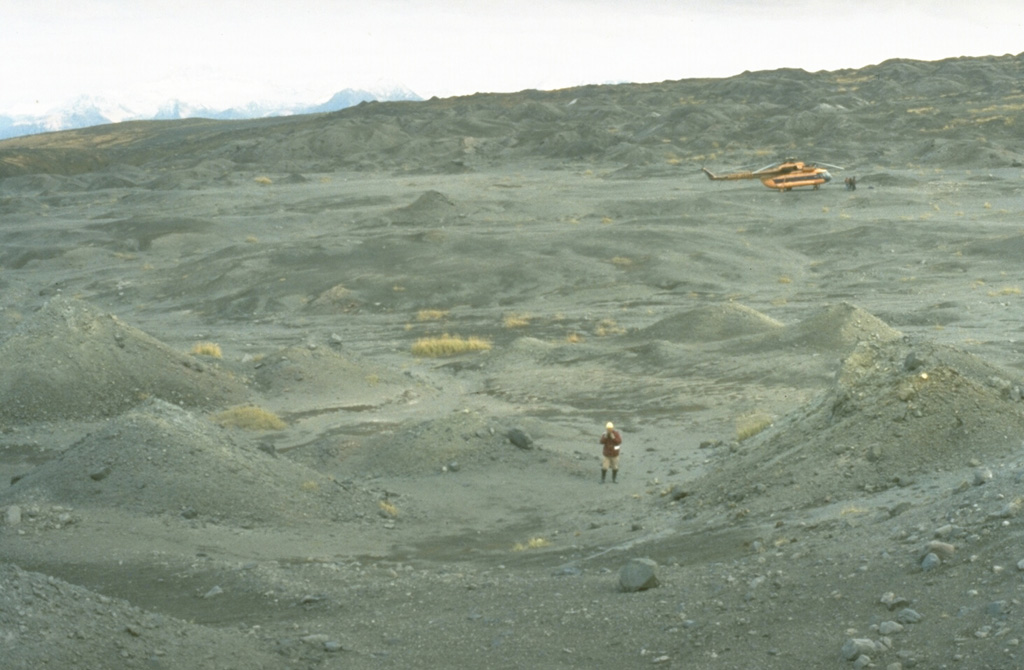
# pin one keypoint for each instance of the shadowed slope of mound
(49, 622)
(69, 361)
(161, 459)
(895, 411)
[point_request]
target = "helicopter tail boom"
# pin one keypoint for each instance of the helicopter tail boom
(727, 177)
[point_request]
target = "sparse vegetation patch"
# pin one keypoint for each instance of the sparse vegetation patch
(249, 418)
(431, 314)
(210, 349)
(449, 345)
(749, 425)
(532, 543)
(516, 320)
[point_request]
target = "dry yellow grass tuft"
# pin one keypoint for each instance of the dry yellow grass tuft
(263, 181)
(516, 320)
(206, 349)
(532, 543)
(310, 486)
(608, 327)
(448, 345)
(751, 424)
(249, 418)
(431, 314)
(388, 508)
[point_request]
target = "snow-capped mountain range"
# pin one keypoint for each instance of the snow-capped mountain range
(93, 111)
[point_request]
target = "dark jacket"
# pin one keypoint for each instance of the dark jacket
(611, 442)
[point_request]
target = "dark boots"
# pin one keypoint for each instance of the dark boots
(615, 473)
(603, 473)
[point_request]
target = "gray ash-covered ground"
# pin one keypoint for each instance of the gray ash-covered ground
(819, 391)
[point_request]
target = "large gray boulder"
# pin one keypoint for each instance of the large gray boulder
(639, 574)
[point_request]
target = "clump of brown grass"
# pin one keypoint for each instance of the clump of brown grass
(749, 425)
(431, 314)
(448, 345)
(388, 508)
(249, 417)
(516, 320)
(532, 543)
(206, 349)
(608, 327)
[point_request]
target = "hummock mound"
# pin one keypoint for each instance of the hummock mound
(896, 411)
(69, 361)
(838, 327)
(711, 324)
(161, 459)
(301, 378)
(431, 208)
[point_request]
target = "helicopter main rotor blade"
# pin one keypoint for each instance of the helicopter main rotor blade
(771, 166)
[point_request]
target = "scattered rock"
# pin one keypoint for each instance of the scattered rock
(892, 601)
(215, 591)
(943, 550)
(907, 615)
(520, 438)
(855, 647)
(100, 474)
(639, 574)
(13, 516)
(890, 627)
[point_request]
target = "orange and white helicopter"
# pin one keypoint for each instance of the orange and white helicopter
(783, 176)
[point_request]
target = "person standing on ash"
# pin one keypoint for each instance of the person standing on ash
(611, 440)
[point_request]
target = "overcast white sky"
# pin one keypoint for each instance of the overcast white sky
(227, 52)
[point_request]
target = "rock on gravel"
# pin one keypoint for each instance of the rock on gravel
(639, 574)
(520, 438)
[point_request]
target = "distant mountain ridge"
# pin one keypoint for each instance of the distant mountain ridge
(961, 112)
(87, 111)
